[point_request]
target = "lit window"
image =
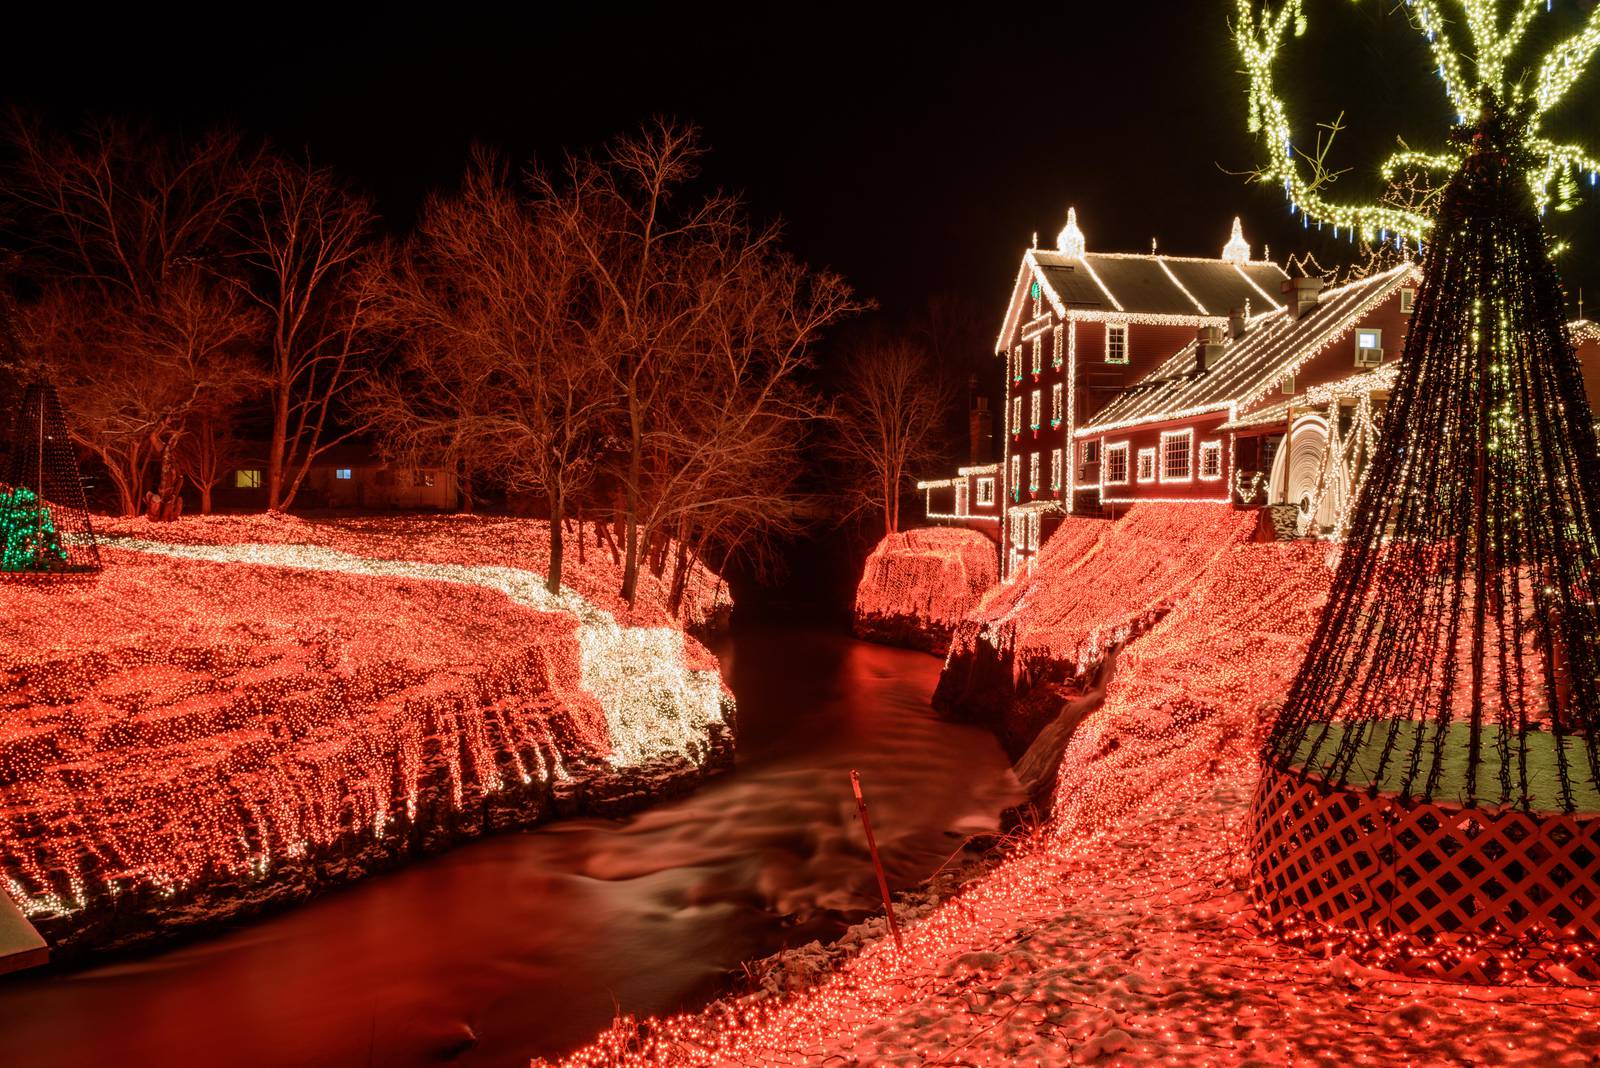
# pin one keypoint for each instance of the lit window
(1056, 360)
(1033, 473)
(1091, 452)
(1369, 347)
(1210, 460)
(1175, 448)
(1038, 354)
(1147, 465)
(1288, 385)
(1034, 423)
(1055, 470)
(1116, 467)
(1016, 477)
(342, 473)
(1116, 343)
(1016, 364)
(421, 478)
(1055, 404)
(986, 491)
(1016, 414)
(247, 478)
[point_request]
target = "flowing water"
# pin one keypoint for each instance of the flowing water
(529, 943)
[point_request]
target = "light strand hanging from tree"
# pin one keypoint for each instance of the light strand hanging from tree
(1551, 168)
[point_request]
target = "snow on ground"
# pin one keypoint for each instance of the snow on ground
(208, 709)
(1122, 934)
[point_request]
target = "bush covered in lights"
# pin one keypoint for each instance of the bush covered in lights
(28, 537)
(917, 585)
(238, 699)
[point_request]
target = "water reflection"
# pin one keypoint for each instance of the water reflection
(528, 943)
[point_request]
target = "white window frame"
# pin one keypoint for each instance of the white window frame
(1038, 410)
(1033, 472)
(1055, 404)
(1056, 358)
(986, 491)
(1408, 299)
(1033, 531)
(1016, 414)
(1210, 451)
(1016, 366)
(1377, 336)
(1016, 476)
(1038, 354)
(1147, 462)
(247, 478)
(1286, 387)
(1118, 330)
(1055, 470)
(1187, 437)
(1091, 451)
(1120, 448)
(343, 474)
(961, 498)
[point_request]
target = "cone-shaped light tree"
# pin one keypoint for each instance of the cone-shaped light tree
(1433, 776)
(44, 520)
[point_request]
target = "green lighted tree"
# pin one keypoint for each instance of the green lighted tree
(28, 537)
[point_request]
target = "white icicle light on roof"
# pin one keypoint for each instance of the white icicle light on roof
(1070, 241)
(1237, 250)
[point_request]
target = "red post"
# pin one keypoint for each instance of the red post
(877, 864)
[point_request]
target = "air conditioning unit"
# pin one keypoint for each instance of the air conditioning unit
(1369, 357)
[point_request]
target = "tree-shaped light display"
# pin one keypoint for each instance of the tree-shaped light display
(44, 520)
(1431, 789)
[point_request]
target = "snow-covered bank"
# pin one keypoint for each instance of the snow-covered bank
(1122, 935)
(240, 711)
(918, 585)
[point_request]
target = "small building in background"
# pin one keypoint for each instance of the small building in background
(349, 477)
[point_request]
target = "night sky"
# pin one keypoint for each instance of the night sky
(915, 150)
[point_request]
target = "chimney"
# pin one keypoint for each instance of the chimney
(980, 425)
(1301, 294)
(1207, 347)
(1238, 322)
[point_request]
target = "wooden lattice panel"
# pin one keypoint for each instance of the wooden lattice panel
(1473, 894)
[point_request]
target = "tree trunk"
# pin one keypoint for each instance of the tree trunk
(276, 451)
(464, 482)
(205, 498)
(165, 502)
(680, 579)
(557, 548)
(630, 567)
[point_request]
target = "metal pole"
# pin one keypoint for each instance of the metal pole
(877, 864)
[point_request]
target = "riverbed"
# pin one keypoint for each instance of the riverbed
(528, 943)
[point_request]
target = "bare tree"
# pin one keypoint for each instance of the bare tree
(890, 412)
(495, 367)
(306, 249)
(673, 277)
(123, 230)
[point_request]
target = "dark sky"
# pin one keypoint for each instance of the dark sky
(913, 148)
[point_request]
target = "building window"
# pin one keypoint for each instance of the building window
(1091, 452)
(1210, 461)
(1038, 354)
(1033, 530)
(1408, 299)
(1369, 347)
(1034, 424)
(1055, 470)
(1287, 387)
(986, 491)
(1016, 477)
(1056, 359)
(1033, 473)
(1016, 364)
(1116, 466)
(1116, 343)
(247, 478)
(1147, 465)
(421, 478)
(961, 497)
(1176, 446)
(1016, 414)
(1055, 404)
(342, 473)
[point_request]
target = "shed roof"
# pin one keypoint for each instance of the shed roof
(1247, 368)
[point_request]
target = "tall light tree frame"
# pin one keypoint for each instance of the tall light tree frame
(1474, 44)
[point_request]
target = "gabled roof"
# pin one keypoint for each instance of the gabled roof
(1274, 347)
(1176, 289)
